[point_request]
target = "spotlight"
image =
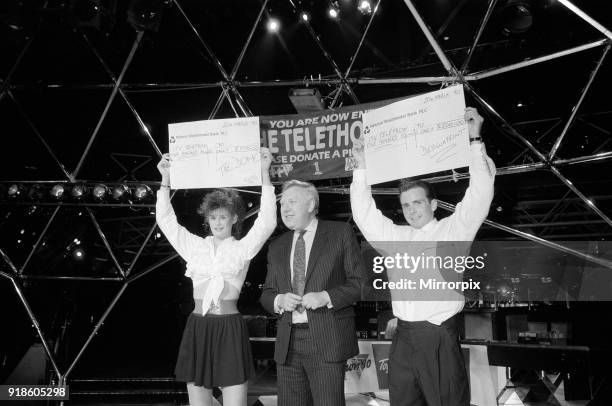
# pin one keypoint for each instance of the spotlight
(334, 11)
(87, 12)
(17, 15)
(79, 191)
(304, 16)
(273, 25)
(365, 7)
(99, 192)
(516, 17)
(120, 193)
(146, 15)
(503, 290)
(57, 191)
(142, 193)
(36, 193)
(78, 254)
(15, 191)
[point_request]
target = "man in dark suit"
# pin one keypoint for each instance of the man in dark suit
(315, 274)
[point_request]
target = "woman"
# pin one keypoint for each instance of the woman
(215, 349)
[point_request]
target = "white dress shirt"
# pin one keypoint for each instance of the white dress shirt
(308, 237)
(210, 271)
(462, 225)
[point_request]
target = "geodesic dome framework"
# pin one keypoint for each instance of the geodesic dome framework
(88, 102)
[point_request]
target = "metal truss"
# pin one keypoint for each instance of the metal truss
(229, 88)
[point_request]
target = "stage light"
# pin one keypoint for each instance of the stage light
(273, 25)
(146, 14)
(87, 12)
(304, 16)
(306, 100)
(365, 7)
(333, 12)
(36, 193)
(142, 192)
(503, 290)
(79, 191)
(57, 191)
(516, 17)
(99, 192)
(13, 13)
(120, 193)
(78, 254)
(15, 191)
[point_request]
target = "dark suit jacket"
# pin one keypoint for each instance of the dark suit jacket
(334, 265)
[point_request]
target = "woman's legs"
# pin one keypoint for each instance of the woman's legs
(235, 395)
(199, 395)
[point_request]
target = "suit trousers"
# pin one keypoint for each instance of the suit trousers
(426, 366)
(305, 379)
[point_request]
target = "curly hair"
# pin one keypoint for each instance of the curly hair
(223, 199)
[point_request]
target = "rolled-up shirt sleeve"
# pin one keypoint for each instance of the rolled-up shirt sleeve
(370, 220)
(181, 240)
(264, 225)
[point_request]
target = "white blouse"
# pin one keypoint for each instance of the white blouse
(208, 270)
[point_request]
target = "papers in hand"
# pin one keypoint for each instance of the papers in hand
(215, 153)
(420, 135)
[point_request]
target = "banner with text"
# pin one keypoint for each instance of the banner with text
(314, 145)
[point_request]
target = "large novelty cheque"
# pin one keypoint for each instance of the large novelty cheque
(416, 136)
(215, 153)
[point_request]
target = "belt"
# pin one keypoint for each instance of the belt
(223, 307)
(300, 325)
(450, 323)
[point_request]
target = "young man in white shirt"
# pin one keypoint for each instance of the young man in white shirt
(426, 366)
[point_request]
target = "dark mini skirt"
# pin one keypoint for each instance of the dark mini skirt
(215, 351)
